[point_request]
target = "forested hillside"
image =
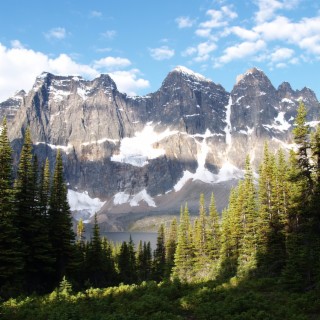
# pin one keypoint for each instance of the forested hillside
(260, 260)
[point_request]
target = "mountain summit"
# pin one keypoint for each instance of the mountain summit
(128, 157)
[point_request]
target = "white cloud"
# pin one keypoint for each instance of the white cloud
(243, 33)
(17, 44)
(205, 33)
(240, 51)
(304, 34)
(161, 53)
(218, 18)
(56, 33)
(203, 50)
(268, 8)
(189, 51)
(129, 82)
(109, 34)
(19, 67)
(281, 54)
(184, 22)
(111, 63)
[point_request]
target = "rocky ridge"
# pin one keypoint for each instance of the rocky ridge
(128, 157)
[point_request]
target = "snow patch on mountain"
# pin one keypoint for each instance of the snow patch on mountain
(134, 200)
(66, 149)
(83, 206)
(139, 149)
(280, 123)
(114, 141)
(226, 172)
(189, 72)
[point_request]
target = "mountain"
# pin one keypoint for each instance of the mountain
(129, 158)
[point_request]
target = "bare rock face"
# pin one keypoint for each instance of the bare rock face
(128, 157)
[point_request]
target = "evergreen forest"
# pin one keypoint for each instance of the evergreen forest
(259, 259)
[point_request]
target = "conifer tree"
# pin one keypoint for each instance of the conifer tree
(201, 265)
(231, 232)
(144, 261)
(213, 237)
(11, 262)
(96, 264)
(247, 260)
(127, 262)
(271, 246)
(38, 262)
(171, 245)
(159, 257)
(184, 255)
(61, 234)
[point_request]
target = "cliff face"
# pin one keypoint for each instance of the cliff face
(145, 155)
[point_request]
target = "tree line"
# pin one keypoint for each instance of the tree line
(270, 228)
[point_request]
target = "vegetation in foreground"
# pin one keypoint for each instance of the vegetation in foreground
(261, 260)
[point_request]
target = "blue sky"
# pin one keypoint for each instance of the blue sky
(139, 41)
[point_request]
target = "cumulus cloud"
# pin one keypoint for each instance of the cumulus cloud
(20, 66)
(184, 22)
(239, 51)
(129, 81)
(281, 54)
(162, 53)
(218, 18)
(56, 33)
(111, 63)
(268, 8)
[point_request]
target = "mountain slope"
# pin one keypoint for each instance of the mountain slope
(128, 157)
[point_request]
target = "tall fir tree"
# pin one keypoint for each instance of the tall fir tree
(38, 263)
(271, 242)
(231, 232)
(184, 255)
(213, 237)
(11, 260)
(201, 260)
(171, 245)
(61, 233)
(247, 260)
(159, 256)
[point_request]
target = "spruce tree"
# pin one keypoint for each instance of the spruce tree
(231, 233)
(247, 260)
(11, 261)
(159, 256)
(184, 255)
(202, 263)
(171, 245)
(38, 262)
(96, 264)
(271, 244)
(61, 234)
(213, 237)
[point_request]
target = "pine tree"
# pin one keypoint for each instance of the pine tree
(231, 233)
(184, 256)
(38, 262)
(96, 268)
(271, 245)
(171, 245)
(127, 263)
(61, 234)
(159, 257)
(202, 263)
(11, 262)
(247, 260)
(213, 237)
(144, 261)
